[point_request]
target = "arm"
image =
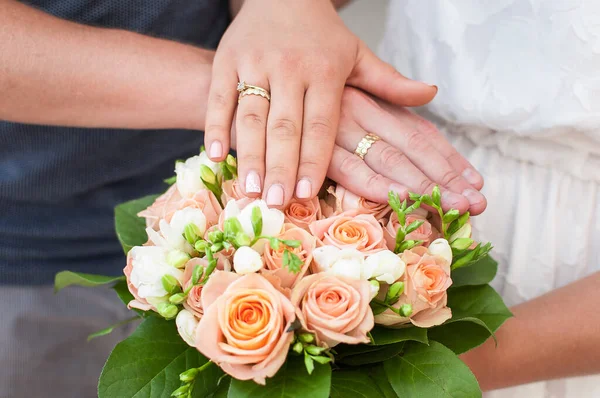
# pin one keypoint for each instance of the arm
(553, 336)
(61, 73)
(235, 5)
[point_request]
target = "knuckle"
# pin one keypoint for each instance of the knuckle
(319, 128)
(219, 100)
(416, 141)
(425, 186)
(288, 61)
(350, 164)
(449, 178)
(278, 170)
(216, 130)
(284, 129)
(392, 158)
(309, 165)
(373, 181)
(455, 158)
(426, 127)
(253, 120)
(249, 158)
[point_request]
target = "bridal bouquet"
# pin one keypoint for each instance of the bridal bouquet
(331, 297)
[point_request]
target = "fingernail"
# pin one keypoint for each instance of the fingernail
(451, 199)
(275, 195)
(216, 150)
(253, 182)
(429, 84)
(472, 177)
(474, 197)
(400, 190)
(303, 189)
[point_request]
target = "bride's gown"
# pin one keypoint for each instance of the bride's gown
(519, 95)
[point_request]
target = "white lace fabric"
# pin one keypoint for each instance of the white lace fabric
(519, 96)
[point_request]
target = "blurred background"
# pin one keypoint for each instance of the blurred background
(366, 18)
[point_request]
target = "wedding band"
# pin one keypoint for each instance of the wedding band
(248, 89)
(363, 146)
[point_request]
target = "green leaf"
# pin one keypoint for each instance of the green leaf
(414, 226)
(123, 291)
(291, 243)
(131, 229)
(479, 273)
(292, 262)
(383, 353)
(481, 302)
(291, 381)
(110, 329)
(68, 278)
(384, 336)
(148, 364)
(257, 221)
(377, 373)
(430, 371)
(171, 180)
(222, 389)
(353, 384)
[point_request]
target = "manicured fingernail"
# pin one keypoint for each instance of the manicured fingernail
(474, 197)
(303, 189)
(451, 199)
(275, 195)
(400, 190)
(216, 150)
(472, 177)
(253, 182)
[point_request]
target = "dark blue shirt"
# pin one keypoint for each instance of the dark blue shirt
(58, 186)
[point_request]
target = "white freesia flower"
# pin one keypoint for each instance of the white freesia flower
(189, 215)
(340, 262)
(272, 220)
(149, 266)
(188, 174)
(171, 234)
(187, 324)
(384, 266)
(441, 247)
(247, 261)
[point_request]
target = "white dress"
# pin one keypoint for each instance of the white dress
(519, 96)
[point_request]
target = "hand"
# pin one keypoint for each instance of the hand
(412, 155)
(303, 54)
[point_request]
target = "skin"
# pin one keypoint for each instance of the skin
(550, 337)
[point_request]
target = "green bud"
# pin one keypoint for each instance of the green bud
(230, 160)
(207, 174)
(188, 375)
(405, 310)
(232, 226)
(241, 239)
(436, 196)
(376, 287)
(177, 258)
(177, 298)
(306, 338)
(309, 363)
(197, 273)
(216, 247)
(394, 292)
(461, 243)
(298, 347)
(322, 360)
(463, 232)
(313, 349)
(216, 235)
(181, 391)
(170, 283)
(167, 310)
(191, 232)
(201, 246)
(450, 216)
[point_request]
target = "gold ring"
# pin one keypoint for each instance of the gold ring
(363, 146)
(248, 89)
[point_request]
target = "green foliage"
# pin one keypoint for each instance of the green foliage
(430, 371)
(383, 336)
(353, 384)
(131, 229)
(481, 272)
(69, 278)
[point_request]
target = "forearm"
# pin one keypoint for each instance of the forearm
(61, 73)
(553, 336)
(235, 5)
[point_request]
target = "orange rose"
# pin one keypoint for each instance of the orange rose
(335, 309)
(232, 190)
(303, 212)
(341, 200)
(427, 278)
(426, 232)
(245, 325)
(350, 231)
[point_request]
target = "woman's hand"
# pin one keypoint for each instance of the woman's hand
(301, 52)
(412, 155)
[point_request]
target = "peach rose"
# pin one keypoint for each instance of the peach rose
(193, 302)
(274, 258)
(303, 212)
(245, 325)
(427, 278)
(232, 190)
(426, 232)
(168, 203)
(335, 309)
(350, 231)
(344, 201)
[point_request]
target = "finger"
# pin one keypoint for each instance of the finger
(349, 170)
(443, 146)
(251, 132)
(381, 79)
(222, 100)
(321, 116)
(284, 128)
(388, 161)
(403, 134)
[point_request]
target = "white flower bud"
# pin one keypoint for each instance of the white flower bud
(441, 247)
(247, 261)
(272, 220)
(149, 265)
(347, 262)
(463, 232)
(385, 266)
(188, 174)
(187, 324)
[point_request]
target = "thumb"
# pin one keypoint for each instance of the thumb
(381, 79)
